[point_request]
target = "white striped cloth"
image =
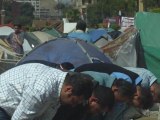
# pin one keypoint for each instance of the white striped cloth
(31, 91)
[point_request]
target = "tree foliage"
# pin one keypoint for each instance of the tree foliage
(109, 8)
(60, 6)
(71, 13)
(19, 13)
(27, 10)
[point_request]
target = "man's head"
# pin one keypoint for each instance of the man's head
(76, 88)
(81, 25)
(102, 100)
(66, 66)
(17, 28)
(142, 98)
(123, 90)
(155, 90)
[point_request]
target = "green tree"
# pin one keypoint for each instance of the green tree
(109, 8)
(151, 4)
(8, 14)
(71, 13)
(25, 11)
(26, 14)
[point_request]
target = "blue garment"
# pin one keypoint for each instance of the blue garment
(126, 77)
(80, 35)
(103, 78)
(148, 77)
(119, 75)
(111, 68)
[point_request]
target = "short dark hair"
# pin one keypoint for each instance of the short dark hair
(18, 25)
(81, 25)
(125, 88)
(105, 96)
(82, 84)
(67, 65)
(146, 98)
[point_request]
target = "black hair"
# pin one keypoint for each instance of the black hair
(82, 84)
(67, 65)
(146, 98)
(105, 96)
(18, 25)
(125, 88)
(81, 25)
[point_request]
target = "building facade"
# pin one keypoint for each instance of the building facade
(47, 9)
(43, 8)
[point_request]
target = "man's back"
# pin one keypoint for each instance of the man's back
(80, 35)
(80, 32)
(28, 84)
(148, 77)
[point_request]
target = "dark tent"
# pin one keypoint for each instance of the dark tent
(61, 50)
(114, 34)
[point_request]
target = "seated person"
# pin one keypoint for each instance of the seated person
(98, 103)
(80, 32)
(149, 81)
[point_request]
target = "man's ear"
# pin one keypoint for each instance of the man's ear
(93, 99)
(68, 89)
(114, 88)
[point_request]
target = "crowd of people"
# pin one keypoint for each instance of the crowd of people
(39, 90)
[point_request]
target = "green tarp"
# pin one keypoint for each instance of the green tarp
(52, 32)
(149, 26)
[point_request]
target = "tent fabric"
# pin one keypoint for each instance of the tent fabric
(8, 58)
(140, 53)
(148, 24)
(43, 36)
(52, 32)
(96, 34)
(61, 50)
(69, 27)
(101, 42)
(115, 34)
(32, 39)
(122, 50)
(5, 31)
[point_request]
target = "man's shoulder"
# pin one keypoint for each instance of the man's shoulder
(11, 34)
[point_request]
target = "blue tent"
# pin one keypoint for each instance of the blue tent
(96, 34)
(61, 50)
